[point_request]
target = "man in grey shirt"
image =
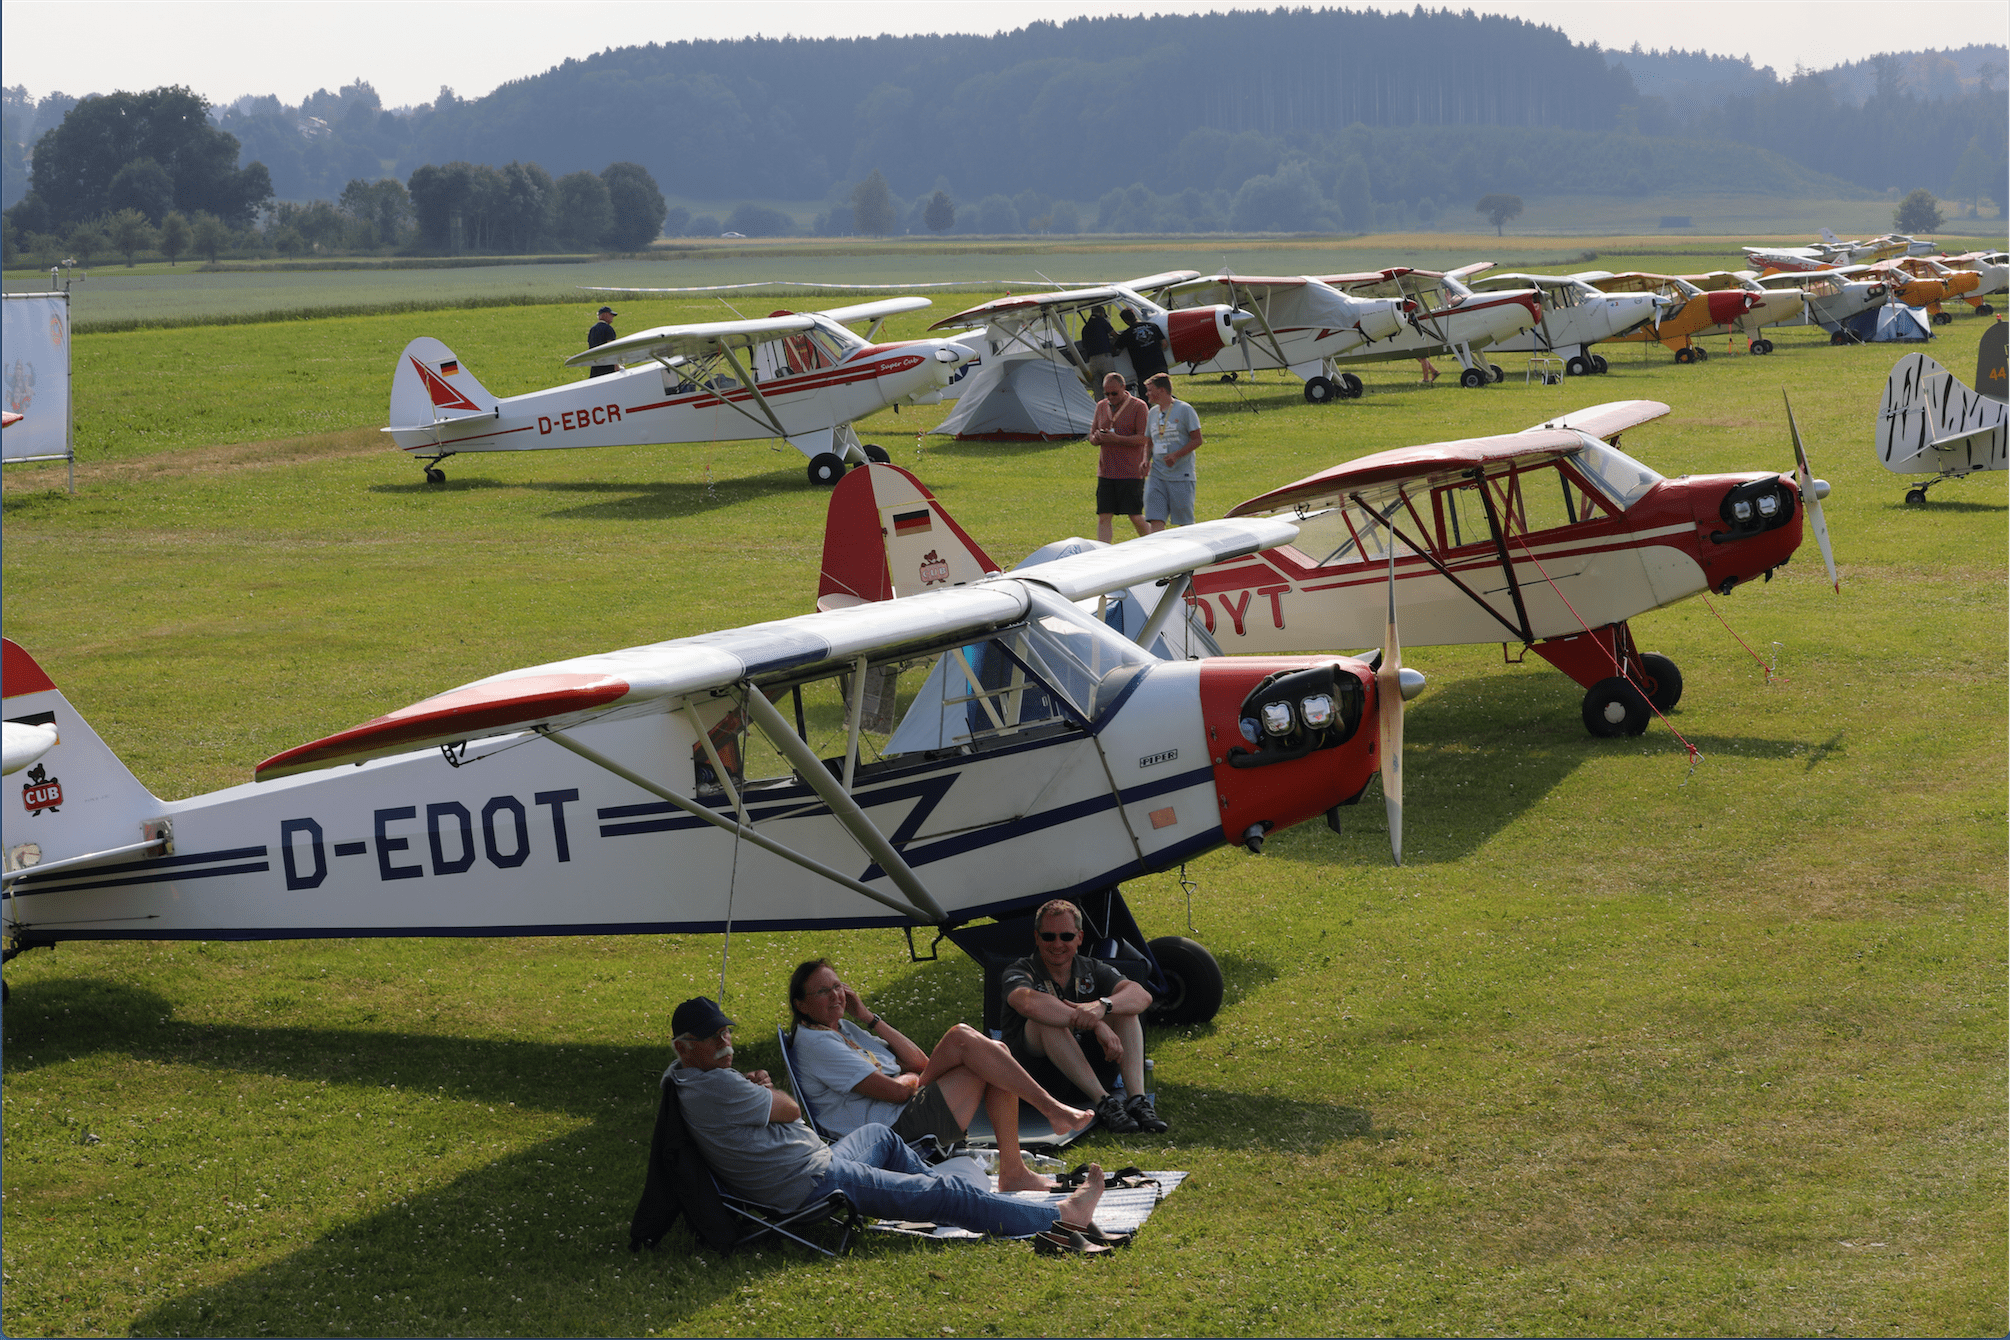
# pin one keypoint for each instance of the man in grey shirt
(1173, 430)
(754, 1138)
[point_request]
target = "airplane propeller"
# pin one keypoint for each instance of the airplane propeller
(1389, 706)
(1812, 492)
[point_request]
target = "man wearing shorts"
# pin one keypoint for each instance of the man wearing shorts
(1174, 431)
(1119, 435)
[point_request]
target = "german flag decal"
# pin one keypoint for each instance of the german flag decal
(913, 523)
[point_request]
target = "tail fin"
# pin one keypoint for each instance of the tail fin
(885, 536)
(430, 385)
(76, 797)
(1830, 238)
(1929, 423)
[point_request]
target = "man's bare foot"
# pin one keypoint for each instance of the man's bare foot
(1022, 1178)
(1074, 1121)
(1080, 1208)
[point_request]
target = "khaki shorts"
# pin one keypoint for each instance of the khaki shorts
(928, 1113)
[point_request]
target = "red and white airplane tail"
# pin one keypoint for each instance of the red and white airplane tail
(77, 798)
(887, 536)
(430, 386)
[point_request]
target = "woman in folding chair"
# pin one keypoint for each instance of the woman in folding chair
(853, 1074)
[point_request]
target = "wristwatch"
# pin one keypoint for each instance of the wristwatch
(1109, 1007)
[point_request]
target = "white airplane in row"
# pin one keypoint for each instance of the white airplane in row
(1299, 324)
(802, 377)
(1833, 251)
(737, 778)
(1449, 318)
(1575, 316)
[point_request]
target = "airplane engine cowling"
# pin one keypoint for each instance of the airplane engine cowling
(1198, 333)
(1383, 317)
(1727, 305)
(1304, 760)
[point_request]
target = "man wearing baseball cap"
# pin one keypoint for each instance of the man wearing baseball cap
(753, 1136)
(601, 332)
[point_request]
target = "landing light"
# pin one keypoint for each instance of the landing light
(1317, 711)
(1742, 510)
(1769, 504)
(1277, 718)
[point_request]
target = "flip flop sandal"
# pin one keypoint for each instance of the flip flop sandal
(908, 1225)
(1094, 1233)
(1129, 1179)
(1066, 1242)
(1068, 1181)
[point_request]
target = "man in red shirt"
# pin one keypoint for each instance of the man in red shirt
(1119, 433)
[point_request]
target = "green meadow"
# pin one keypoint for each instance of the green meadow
(1631, 1044)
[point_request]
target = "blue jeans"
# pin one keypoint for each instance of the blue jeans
(887, 1180)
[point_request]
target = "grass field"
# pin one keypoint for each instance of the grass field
(1624, 1048)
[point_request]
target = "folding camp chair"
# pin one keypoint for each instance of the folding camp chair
(758, 1220)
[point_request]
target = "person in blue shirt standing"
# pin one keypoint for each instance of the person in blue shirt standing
(1174, 430)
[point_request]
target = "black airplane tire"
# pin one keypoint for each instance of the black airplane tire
(1685, 355)
(1762, 346)
(1320, 390)
(1985, 309)
(1351, 386)
(1496, 373)
(1662, 680)
(1472, 377)
(1915, 497)
(1579, 366)
(877, 454)
(435, 475)
(1702, 354)
(1838, 337)
(1599, 365)
(826, 469)
(1195, 979)
(1614, 707)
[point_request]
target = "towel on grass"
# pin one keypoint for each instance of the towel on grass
(1121, 1210)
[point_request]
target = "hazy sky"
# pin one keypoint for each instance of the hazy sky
(408, 48)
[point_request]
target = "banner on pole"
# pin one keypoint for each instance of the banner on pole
(35, 376)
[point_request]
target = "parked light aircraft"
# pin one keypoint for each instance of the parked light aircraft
(806, 378)
(1299, 324)
(1832, 298)
(1687, 310)
(1992, 266)
(1575, 316)
(1932, 283)
(1770, 306)
(1833, 251)
(1929, 423)
(1008, 333)
(1450, 318)
(1552, 537)
(681, 787)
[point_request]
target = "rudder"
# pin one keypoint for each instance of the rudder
(885, 535)
(430, 385)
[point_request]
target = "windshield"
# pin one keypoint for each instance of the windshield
(1619, 476)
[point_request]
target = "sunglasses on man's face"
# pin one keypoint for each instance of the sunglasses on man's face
(1063, 936)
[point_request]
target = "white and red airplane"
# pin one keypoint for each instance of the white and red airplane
(1832, 297)
(1449, 318)
(1575, 316)
(1034, 334)
(1298, 323)
(803, 377)
(739, 778)
(1772, 305)
(1551, 537)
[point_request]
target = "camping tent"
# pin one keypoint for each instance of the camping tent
(1021, 399)
(1892, 323)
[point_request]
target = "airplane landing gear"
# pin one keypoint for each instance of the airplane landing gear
(1598, 363)
(1985, 309)
(1662, 680)
(1496, 373)
(1943, 318)
(1577, 367)
(826, 469)
(1472, 377)
(1614, 707)
(435, 475)
(1320, 390)
(1686, 355)
(1195, 979)
(1762, 346)
(1351, 386)
(877, 454)
(1917, 497)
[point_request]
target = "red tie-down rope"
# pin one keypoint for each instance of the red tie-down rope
(1695, 754)
(1741, 641)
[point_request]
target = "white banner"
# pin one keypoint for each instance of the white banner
(35, 376)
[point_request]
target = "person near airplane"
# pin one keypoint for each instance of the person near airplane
(1174, 430)
(599, 333)
(1118, 434)
(1145, 343)
(855, 1068)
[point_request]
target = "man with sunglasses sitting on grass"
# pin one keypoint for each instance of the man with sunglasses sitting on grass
(1058, 1000)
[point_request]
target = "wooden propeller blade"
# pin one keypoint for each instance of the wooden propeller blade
(1805, 479)
(1389, 709)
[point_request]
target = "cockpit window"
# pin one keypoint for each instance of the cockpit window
(1618, 475)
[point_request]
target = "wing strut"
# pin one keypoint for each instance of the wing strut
(761, 840)
(1479, 476)
(773, 420)
(1174, 598)
(846, 810)
(1442, 570)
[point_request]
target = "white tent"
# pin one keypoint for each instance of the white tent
(1021, 399)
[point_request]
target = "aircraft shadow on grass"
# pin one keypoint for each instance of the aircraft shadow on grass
(510, 1227)
(639, 500)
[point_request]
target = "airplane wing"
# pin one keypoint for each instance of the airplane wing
(877, 310)
(1027, 306)
(1259, 286)
(1432, 462)
(1607, 421)
(695, 341)
(660, 676)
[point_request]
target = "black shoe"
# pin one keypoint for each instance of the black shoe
(1141, 1111)
(1111, 1112)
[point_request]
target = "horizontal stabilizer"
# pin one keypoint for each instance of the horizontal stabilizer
(1930, 423)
